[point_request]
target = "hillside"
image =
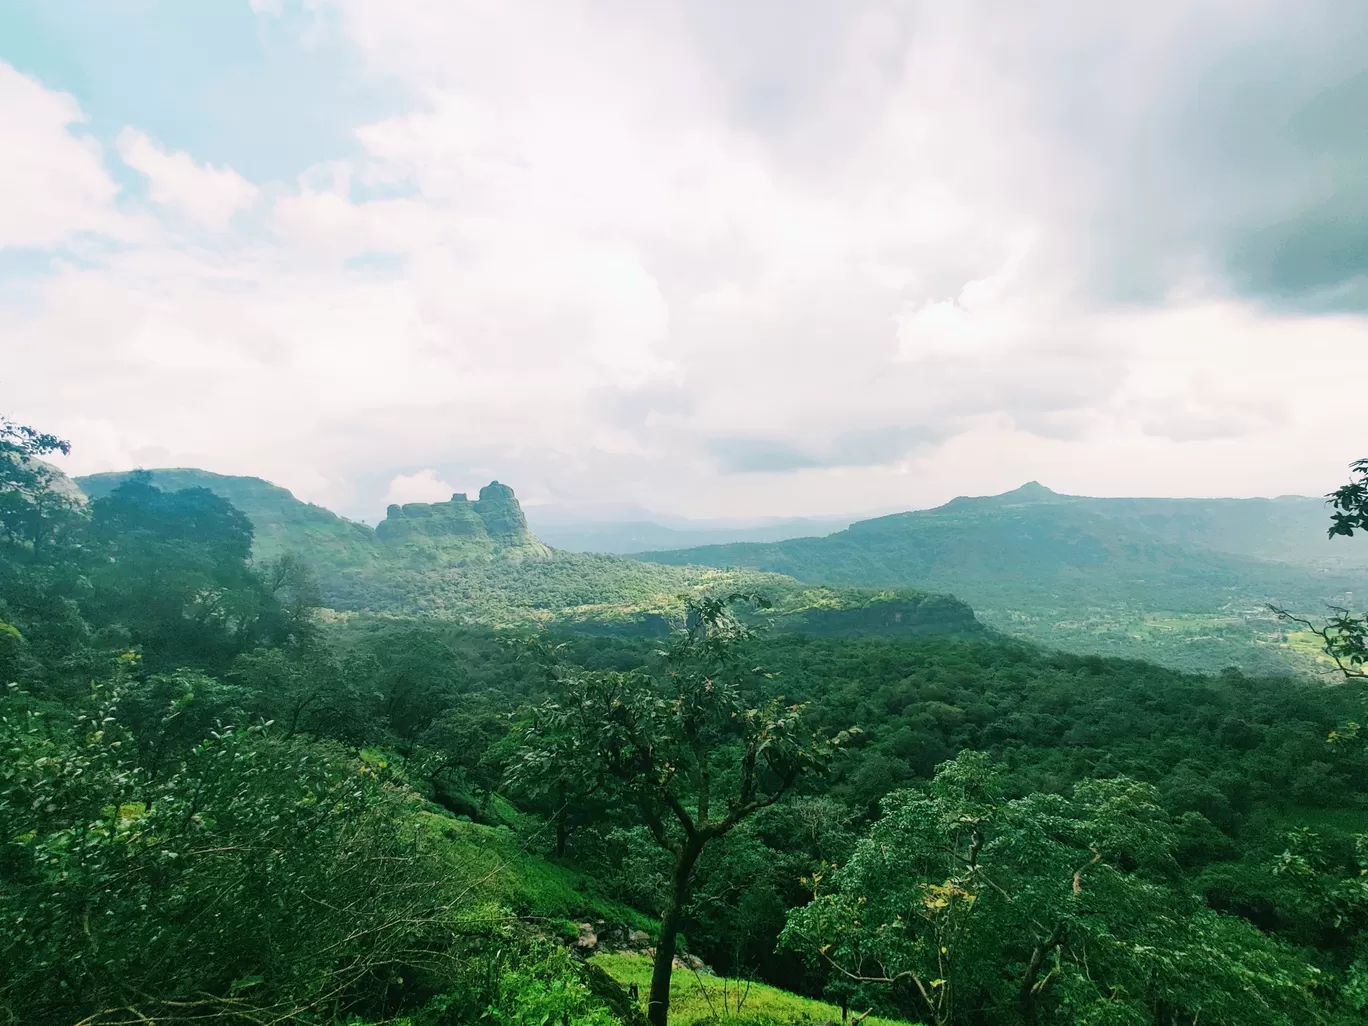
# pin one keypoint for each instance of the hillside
(437, 823)
(478, 562)
(1289, 528)
(280, 521)
(1123, 576)
(644, 530)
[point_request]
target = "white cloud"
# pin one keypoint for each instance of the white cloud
(424, 486)
(618, 250)
(207, 194)
(53, 183)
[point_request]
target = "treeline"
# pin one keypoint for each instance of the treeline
(216, 805)
(188, 831)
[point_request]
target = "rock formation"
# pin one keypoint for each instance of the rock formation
(491, 526)
(457, 517)
(503, 517)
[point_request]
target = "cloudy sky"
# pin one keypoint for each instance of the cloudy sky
(713, 257)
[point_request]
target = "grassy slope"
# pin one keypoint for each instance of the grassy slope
(544, 894)
(698, 997)
(553, 898)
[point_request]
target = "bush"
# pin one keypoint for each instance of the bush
(261, 875)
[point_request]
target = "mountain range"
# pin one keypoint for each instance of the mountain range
(625, 530)
(1182, 581)
(1122, 575)
(478, 561)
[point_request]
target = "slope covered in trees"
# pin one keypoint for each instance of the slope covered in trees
(1188, 581)
(478, 562)
(218, 806)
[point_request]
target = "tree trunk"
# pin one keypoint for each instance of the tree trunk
(560, 833)
(658, 1004)
(1027, 995)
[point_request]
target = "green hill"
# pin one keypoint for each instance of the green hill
(1123, 576)
(1289, 528)
(478, 562)
(280, 521)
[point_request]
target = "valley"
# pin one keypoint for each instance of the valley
(461, 775)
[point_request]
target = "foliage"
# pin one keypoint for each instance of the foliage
(1085, 574)
(264, 811)
(545, 989)
(1224, 746)
(1344, 635)
(260, 880)
(33, 510)
(1047, 908)
(1350, 503)
(663, 749)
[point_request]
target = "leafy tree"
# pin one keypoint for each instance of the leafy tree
(41, 558)
(415, 676)
(291, 583)
(1350, 502)
(175, 572)
(1333, 896)
(966, 907)
(33, 509)
(260, 879)
(683, 751)
(168, 714)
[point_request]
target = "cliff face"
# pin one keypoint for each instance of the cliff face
(503, 517)
(460, 530)
(456, 518)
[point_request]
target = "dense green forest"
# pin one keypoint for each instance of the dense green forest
(1187, 582)
(230, 794)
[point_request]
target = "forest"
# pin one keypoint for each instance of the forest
(1185, 582)
(247, 784)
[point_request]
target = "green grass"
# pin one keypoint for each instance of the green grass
(698, 996)
(504, 867)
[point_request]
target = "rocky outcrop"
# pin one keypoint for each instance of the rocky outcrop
(502, 516)
(459, 529)
(456, 518)
(61, 484)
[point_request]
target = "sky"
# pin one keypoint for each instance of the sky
(779, 257)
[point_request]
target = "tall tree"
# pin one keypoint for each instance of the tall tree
(42, 558)
(176, 574)
(689, 752)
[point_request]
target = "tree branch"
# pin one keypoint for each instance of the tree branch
(1332, 644)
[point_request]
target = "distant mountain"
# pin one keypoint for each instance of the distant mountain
(479, 561)
(651, 531)
(1084, 572)
(1290, 528)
